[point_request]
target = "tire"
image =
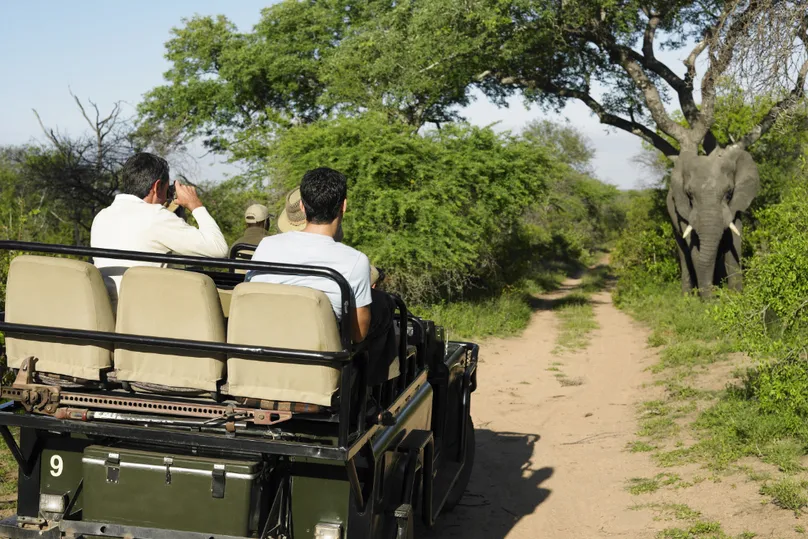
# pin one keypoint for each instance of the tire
(459, 488)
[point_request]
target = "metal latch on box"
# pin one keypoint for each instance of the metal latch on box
(113, 466)
(168, 461)
(217, 481)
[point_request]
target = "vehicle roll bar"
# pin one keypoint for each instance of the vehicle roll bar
(346, 294)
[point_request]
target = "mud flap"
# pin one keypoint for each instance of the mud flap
(404, 522)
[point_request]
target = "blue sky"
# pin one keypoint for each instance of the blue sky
(113, 51)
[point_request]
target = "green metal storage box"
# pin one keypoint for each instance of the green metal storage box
(161, 490)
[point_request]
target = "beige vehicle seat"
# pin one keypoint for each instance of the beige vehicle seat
(243, 254)
(225, 297)
(282, 316)
(58, 292)
(169, 303)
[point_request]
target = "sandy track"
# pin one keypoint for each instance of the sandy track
(551, 460)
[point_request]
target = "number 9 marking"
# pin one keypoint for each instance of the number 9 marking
(57, 465)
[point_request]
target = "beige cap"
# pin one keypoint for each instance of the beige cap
(256, 213)
(292, 217)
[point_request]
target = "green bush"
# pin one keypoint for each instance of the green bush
(770, 317)
(442, 212)
(645, 253)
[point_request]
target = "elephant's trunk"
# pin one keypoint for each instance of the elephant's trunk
(711, 229)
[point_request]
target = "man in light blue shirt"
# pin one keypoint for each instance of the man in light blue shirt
(323, 197)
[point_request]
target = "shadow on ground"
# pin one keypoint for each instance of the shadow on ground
(592, 280)
(505, 487)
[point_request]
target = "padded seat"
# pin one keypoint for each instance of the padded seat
(241, 252)
(58, 292)
(282, 316)
(225, 297)
(169, 303)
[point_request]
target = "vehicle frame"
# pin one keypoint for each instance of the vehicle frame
(428, 464)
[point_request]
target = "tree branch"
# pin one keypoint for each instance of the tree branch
(48, 133)
(777, 109)
(605, 117)
(720, 62)
(647, 60)
(653, 100)
(648, 37)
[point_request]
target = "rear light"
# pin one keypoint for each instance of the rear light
(327, 530)
(52, 503)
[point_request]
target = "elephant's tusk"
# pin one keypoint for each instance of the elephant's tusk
(734, 229)
(687, 231)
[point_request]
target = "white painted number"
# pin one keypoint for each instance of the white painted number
(57, 465)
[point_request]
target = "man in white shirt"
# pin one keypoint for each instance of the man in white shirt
(137, 221)
(323, 193)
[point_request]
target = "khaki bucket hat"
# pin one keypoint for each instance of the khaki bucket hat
(292, 217)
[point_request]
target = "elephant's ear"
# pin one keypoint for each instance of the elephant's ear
(747, 182)
(678, 181)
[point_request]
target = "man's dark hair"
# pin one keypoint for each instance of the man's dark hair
(323, 191)
(140, 172)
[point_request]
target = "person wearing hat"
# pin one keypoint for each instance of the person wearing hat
(322, 200)
(257, 219)
(292, 217)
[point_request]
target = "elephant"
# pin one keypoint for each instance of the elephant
(707, 195)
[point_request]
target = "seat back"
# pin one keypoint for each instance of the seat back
(282, 316)
(242, 252)
(169, 303)
(58, 292)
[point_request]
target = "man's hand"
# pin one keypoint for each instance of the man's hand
(186, 196)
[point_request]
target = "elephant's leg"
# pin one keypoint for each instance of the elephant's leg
(686, 266)
(732, 261)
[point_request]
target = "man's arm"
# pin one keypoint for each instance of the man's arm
(361, 324)
(360, 285)
(181, 238)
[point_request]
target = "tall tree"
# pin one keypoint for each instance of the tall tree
(80, 173)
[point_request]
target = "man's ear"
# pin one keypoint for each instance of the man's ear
(344, 205)
(302, 207)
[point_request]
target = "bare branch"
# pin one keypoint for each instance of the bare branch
(92, 125)
(777, 109)
(721, 55)
(48, 133)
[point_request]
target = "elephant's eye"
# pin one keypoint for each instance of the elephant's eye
(729, 194)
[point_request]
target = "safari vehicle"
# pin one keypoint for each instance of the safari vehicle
(211, 408)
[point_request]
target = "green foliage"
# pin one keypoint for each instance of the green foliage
(576, 319)
(645, 253)
(769, 318)
(787, 493)
(26, 214)
(640, 446)
(647, 485)
(227, 200)
(678, 511)
(439, 212)
(701, 530)
(505, 315)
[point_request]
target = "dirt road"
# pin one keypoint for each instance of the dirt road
(551, 460)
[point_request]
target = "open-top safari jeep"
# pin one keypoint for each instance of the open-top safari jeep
(210, 408)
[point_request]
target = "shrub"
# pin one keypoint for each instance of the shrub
(442, 212)
(645, 253)
(770, 318)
